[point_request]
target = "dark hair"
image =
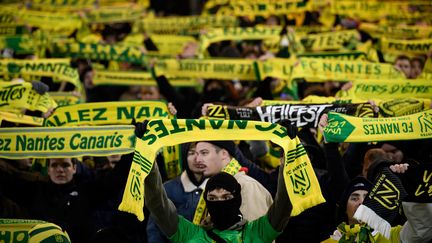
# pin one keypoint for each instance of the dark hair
(73, 160)
(402, 57)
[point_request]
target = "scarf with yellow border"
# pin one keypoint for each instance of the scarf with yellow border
(343, 128)
(302, 185)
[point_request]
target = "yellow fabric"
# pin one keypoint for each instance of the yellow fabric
(102, 113)
(59, 142)
(12, 29)
(117, 52)
(16, 229)
(171, 44)
(419, 47)
(275, 67)
(171, 155)
(389, 89)
(64, 5)
(21, 119)
(319, 70)
(16, 95)
(343, 128)
(372, 10)
(118, 113)
(52, 21)
(342, 55)
(136, 78)
(114, 14)
(65, 98)
(47, 233)
(263, 8)
(57, 68)
(231, 168)
(184, 25)
(301, 182)
(329, 40)
(306, 29)
(239, 33)
(242, 69)
(397, 32)
(394, 236)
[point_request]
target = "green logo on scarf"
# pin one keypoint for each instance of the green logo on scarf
(301, 182)
(339, 127)
(425, 123)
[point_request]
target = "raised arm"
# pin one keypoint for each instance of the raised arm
(160, 206)
(280, 211)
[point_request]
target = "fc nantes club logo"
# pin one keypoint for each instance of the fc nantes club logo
(301, 182)
(425, 121)
(217, 111)
(386, 193)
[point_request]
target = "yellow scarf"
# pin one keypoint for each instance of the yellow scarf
(21, 119)
(59, 142)
(329, 40)
(57, 68)
(117, 52)
(16, 96)
(240, 33)
(118, 113)
(102, 113)
(418, 47)
(65, 98)
(301, 182)
(263, 8)
(102, 77)
(406, 32)
(187, 25)
(343, 128)
(242, 69)
(320, 70)
(389, 89)
(116, 14)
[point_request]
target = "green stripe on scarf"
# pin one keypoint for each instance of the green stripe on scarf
(301, 182)
(59, 142)
(343, 128)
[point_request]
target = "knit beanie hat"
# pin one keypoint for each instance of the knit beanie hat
(228, 145)
(358, 183)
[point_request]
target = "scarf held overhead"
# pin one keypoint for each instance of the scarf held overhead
(299, 114)
(301, 182)
(343, 128)
(102, 113)
(58, 142)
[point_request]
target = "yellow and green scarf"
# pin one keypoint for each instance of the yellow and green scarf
(103, 113)
(59, 142)
(301, 182)
(343, 128)
(389, 89)
(216, 68)
(17, 96)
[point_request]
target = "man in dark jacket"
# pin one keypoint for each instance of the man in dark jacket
(64, 200)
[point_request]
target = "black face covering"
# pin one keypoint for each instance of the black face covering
(224, 214)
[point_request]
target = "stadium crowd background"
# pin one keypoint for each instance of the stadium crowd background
(192, 56)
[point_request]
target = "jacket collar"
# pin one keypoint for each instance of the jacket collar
(188, 185)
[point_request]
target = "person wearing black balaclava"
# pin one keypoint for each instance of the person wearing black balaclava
(184, 190)
(223, 201)
(223, 195)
